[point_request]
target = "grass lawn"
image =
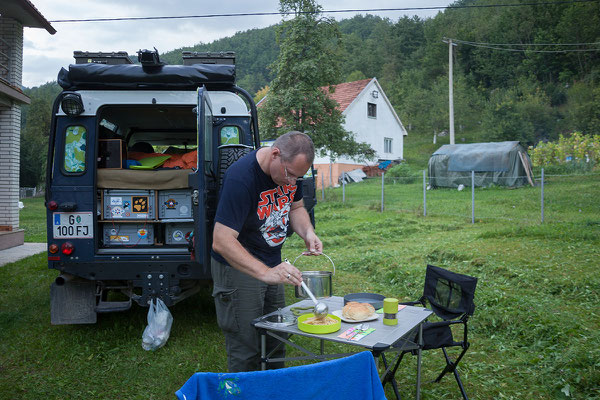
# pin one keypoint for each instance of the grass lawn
(535, 332)
(32, 218)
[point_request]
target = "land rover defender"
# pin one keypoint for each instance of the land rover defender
(137, 154)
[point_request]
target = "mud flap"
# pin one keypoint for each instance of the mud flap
(73, 302)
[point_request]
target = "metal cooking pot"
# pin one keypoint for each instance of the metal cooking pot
(319, 282)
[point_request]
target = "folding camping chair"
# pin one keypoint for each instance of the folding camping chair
(450, 297)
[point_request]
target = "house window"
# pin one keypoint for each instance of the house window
(372, 110)
(387, 145)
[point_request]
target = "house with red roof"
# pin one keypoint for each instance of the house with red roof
(371, 117)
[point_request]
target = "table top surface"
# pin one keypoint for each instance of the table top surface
(409, 318)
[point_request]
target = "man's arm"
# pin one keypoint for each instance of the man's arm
(225, 243)
(300, 222)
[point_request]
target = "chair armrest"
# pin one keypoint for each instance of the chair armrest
(444, 323)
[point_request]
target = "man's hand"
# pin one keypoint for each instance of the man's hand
(313, 244)
(282, 273)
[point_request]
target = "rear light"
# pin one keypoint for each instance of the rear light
(67, 248)
(52, 205)
(53, 248)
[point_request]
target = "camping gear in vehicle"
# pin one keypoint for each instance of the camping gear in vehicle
(150, 162)
(128, 204)
(376, 300)
(318, 329)
(111, 153)
(128, 235)
(178, 232)
(174, 204)
(319, 282)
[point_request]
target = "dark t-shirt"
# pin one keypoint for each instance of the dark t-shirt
(256, 207)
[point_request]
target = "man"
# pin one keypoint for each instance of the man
(259, 200)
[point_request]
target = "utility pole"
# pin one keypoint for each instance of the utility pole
(450, 88)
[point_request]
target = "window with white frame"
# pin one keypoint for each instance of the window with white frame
(387, 145)
(372, 110)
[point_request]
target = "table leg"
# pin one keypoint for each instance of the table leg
(263, 351)
(420, 341)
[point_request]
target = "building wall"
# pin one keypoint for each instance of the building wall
(369, 130)
(11, 31)
(337, 169)
(374, 130)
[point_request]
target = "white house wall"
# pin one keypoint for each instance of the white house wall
(372, 130)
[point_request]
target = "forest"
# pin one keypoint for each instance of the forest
(527, 72)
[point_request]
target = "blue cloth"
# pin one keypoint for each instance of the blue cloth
(352, 377)
(384, 164)
(256, 207)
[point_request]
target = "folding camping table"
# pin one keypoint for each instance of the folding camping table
(407, 335)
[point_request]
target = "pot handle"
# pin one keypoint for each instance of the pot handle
(322, 254)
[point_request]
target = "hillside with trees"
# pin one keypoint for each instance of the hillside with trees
(527, 73)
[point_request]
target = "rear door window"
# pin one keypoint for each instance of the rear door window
(230, 135)
(75, 149)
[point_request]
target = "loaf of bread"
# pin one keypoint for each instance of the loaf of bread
(357, 311)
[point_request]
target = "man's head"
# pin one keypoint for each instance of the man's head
(295, 153)
(295, 143)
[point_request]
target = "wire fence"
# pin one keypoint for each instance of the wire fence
(542, 199)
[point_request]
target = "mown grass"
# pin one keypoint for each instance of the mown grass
(535, 332)
(30, 218)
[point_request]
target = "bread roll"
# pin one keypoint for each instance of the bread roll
(357, 311)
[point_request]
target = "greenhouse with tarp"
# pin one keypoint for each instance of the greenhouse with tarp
(494, 163)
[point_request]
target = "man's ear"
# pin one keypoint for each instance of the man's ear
(275, 152)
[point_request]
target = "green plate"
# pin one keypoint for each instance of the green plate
(151, 162)
(318, 329)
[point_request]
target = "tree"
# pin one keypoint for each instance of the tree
(305, 69)
(261, 93)
(34, 134)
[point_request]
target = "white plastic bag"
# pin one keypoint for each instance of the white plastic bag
(157, 332)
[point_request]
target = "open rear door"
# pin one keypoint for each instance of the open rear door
(200, 180)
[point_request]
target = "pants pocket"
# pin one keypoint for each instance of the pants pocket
(224, 305)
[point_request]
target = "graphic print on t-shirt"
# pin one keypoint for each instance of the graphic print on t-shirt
(274, 209)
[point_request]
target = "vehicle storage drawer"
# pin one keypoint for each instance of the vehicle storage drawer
(128, 234)
(173, 204)
(178, 233)
(129, 204)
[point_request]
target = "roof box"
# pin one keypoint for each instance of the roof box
(195, 57)
(98, 57)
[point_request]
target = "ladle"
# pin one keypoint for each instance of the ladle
(321, 310)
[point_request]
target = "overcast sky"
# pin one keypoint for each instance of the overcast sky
(45, 54)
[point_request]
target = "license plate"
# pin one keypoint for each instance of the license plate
(73, 225)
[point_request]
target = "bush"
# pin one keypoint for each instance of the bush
(404, 173)
(576, 153)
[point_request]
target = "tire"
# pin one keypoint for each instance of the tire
(228, 155)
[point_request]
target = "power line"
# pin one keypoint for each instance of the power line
(255, 14)
(523, 44)
(496, 46)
